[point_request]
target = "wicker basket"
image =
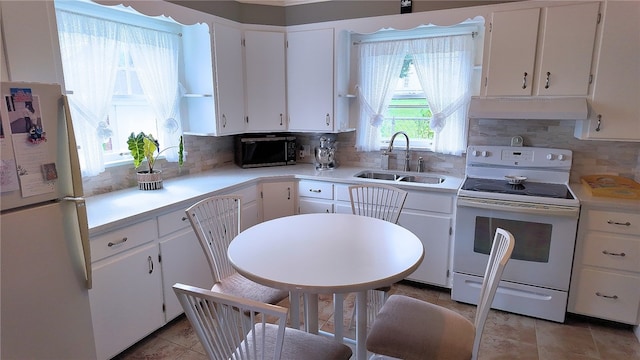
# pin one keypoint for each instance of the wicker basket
(147, 181)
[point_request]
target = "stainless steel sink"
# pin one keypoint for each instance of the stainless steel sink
(400, 177)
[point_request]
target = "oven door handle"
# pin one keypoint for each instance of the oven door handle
(523, 208)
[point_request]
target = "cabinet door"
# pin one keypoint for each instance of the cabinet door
(265, 70)
(310, 80)
(229, 75)
(183, 261)
(278, 200)
(567, 48)
(512, 52)
(250, 215)
(126, 299)
(434, 232)
(615, 106)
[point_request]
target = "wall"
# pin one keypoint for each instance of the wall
(590, 157)
(320, 11)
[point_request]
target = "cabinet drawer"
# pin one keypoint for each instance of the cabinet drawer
(608, 296)
(126, 238)
(172, 221)
(620, 253)
(613, 221)
(315, 189)
(315, 206)
(424, 201)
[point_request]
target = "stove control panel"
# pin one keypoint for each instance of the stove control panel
(534, 157)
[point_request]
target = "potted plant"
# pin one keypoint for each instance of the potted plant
(145, 147)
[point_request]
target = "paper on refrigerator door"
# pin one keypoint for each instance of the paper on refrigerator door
(32, 154)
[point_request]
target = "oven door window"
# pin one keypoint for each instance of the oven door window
(533, 240)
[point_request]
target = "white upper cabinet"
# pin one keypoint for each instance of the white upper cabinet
(310, 89)
(229, 79)
(265, 90)
(541, 51)
(615, 105)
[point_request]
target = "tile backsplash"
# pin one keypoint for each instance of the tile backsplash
(589, 157)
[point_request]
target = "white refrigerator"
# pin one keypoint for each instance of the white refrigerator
(45, 257)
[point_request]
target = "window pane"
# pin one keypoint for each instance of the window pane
(408, 111)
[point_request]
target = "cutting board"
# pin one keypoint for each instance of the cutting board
(611, 186)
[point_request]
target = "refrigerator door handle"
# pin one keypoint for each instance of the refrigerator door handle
(83, 223)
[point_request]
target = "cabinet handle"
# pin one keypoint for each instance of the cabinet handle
(124, 240)
(280, 119)
(599, 122)
(224, 120)
(315, 190)
(613, 254)
(611, 222)
(546, 85)
(288, 193)
(614, 297)
(184, 218)
(328, 119)
(524, 80)
(150, 260)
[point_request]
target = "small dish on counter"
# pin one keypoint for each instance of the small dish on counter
(515, 180)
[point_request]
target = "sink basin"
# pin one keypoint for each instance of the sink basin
(400, 177)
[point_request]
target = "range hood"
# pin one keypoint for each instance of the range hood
(531, 108)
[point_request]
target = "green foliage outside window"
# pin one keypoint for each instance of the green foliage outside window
(410, 115)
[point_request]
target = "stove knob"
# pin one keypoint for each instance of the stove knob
(550, 156)
(485, 153)
(561, 157)
(475, 153)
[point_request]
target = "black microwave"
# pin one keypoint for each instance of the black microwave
(265, 150)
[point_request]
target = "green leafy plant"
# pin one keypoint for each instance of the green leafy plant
(144, 146)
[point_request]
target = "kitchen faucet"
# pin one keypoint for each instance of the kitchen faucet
(390, 148)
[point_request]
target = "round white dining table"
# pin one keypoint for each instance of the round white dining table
(327, 254)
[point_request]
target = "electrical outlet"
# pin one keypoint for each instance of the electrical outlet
(306, 149)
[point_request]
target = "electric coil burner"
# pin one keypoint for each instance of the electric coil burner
(540, 211)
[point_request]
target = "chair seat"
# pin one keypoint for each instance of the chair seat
(240, 286)
(410, 329)
(300, 345)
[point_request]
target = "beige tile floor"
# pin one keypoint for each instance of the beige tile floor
(506, 335)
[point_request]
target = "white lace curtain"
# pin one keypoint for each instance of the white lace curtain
(444, 66)
(89, 48)
(380, 66)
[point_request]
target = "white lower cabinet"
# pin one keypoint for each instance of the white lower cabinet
(430, 217)
(182, 259)
(278, 199)
(126, 298)
(606, 272)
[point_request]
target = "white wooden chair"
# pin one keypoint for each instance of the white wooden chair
(383, 202)
(378, 201)
(216, 222)
(220, 322)
(411, 329)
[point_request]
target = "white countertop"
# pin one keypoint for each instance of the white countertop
(119, 208)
